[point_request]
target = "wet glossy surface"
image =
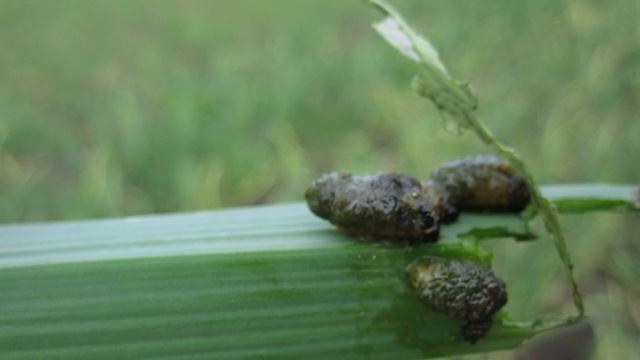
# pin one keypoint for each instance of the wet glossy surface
(483, 183)
(380, 206)
(462, 289)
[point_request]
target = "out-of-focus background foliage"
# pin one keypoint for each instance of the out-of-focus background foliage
(115, 107)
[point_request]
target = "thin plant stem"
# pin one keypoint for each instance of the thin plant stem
(456, 100)
(547, 210)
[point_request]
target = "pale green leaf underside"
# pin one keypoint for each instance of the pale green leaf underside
(593, 197)
(264, 228)
(262, 282)
(408, 42)
(434, 81)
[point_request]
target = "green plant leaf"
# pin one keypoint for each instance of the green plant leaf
(261, 282)
(580, 198)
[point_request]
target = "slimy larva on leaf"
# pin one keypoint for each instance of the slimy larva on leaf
(399, 207)
(483, 183)
(380, 206)
(462, 289)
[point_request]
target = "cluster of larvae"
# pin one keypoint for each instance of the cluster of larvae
(401, 208)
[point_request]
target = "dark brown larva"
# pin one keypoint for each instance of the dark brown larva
(380, 206)
(447, 212)
(483, 183)
(461, 289)
(401, 208)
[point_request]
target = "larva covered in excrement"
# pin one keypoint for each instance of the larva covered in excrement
(483, 183)
(380, 206)
(462, 289)
(401, 208)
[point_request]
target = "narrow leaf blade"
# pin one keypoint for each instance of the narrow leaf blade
(270, 281)
(593, 197)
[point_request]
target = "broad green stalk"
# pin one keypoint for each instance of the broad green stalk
(457, 104)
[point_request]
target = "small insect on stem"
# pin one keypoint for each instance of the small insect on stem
(381, 206)
(462, 289)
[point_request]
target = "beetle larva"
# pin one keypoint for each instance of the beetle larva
(380, 206)
(437, 193)
(483, 183)
(461, 289)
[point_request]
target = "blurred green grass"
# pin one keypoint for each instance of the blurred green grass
(112, 108)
